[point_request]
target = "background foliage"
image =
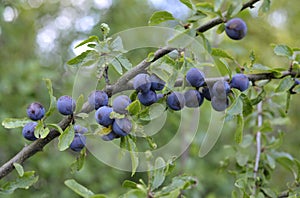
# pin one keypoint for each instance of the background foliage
(37, 39)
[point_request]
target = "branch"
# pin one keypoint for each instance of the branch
(220, 20)
(121, 85)
(258, 143)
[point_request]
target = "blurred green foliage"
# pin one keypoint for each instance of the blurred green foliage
(36, 41)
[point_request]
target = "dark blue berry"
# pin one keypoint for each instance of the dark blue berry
(141, 82)
(240, 82)
(157, 84)
(80, 129)
(35, 111)
(206, 93)
(147, 98)
(28, 131)
(236, 29)
(219, 104)
(66, 105)
(195, 77)
(78, 142)
(102, 116)
(120, 104)
(122, 127)
(110, 136)
(193, 98)
(220, 89)
(175, 101)
(98, 99)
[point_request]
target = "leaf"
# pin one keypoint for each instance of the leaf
(40, 130)
(188, 3)
(98, 196)
(222, 66)
(220, 53)
(259, 98)
(242, 158)
(247, 106)
(124, 62)
(205, 6)
(159, 17)
(238, 136)
(79, 58)
(56, 127)
(134, 108)
(221, 28)
(234, 8)
(236, 108)
(79, 162)
(19, 169)
(265, 7)
(89, 40)
(178, 183)
(118, 67)
(52, 105)
(158, 173)
(117, 45)
(133, 154)
(129, 184)
(283, 50)
(79, 103)
(206, 43)
(136, 193)
(78, 188)
(10, 123)
(284, 84)
(65, 139)
(27, 180)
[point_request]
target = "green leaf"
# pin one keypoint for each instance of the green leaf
(221, 28)
(220, 53)
(135, 193)
(134, 108)
(223, 67)
(236, 108)
(79, 58)
(10, 123)
(258, 98)
(178, 183)
(124, 62)
(158, 173)
(89, 40)
(205, 6)
(27, 180)
(238, 136)
(78, 188)
(206, 43)
(234, 8)
(118, 67)
(265, 7)
(65, 139)
(247, 105)
(79, 103)
(117, 45)
(129, 184)
(242, 158)
(133, 154)
(40, 130)
(19, 169)
(56, 127)
(52, 105)
(283, 50)
(79, 162)
(159, 17)
(188, 3)
(284, 84)
(271, 162)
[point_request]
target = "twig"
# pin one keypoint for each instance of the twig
(258, 143)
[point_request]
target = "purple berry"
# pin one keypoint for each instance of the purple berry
(35, 111)
(66, 105)
(157, 84)
(175, 101)
(80, 129)
(147, 98)
(195, 77)
(98, 99)
(102, 116)
(240, 82)
(236, 29)
(122, 127)
(120, 104)
(219, 104)
(220, 89)
(78, 142)
(110, 136)
(28, 131)
(206, 93)
(193, 98)
(141, 82)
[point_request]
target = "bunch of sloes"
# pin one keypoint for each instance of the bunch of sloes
(118, 127)
(146, 86)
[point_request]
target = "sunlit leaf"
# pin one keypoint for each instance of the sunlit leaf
(158, 173)
(238, 136)
(89, 40)
(285, 84)
(11, 123)
(159, 17)
(52, 105)
(78, 188)
(65, 139)
(19, 169)
(188, 3)
(283, 50)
